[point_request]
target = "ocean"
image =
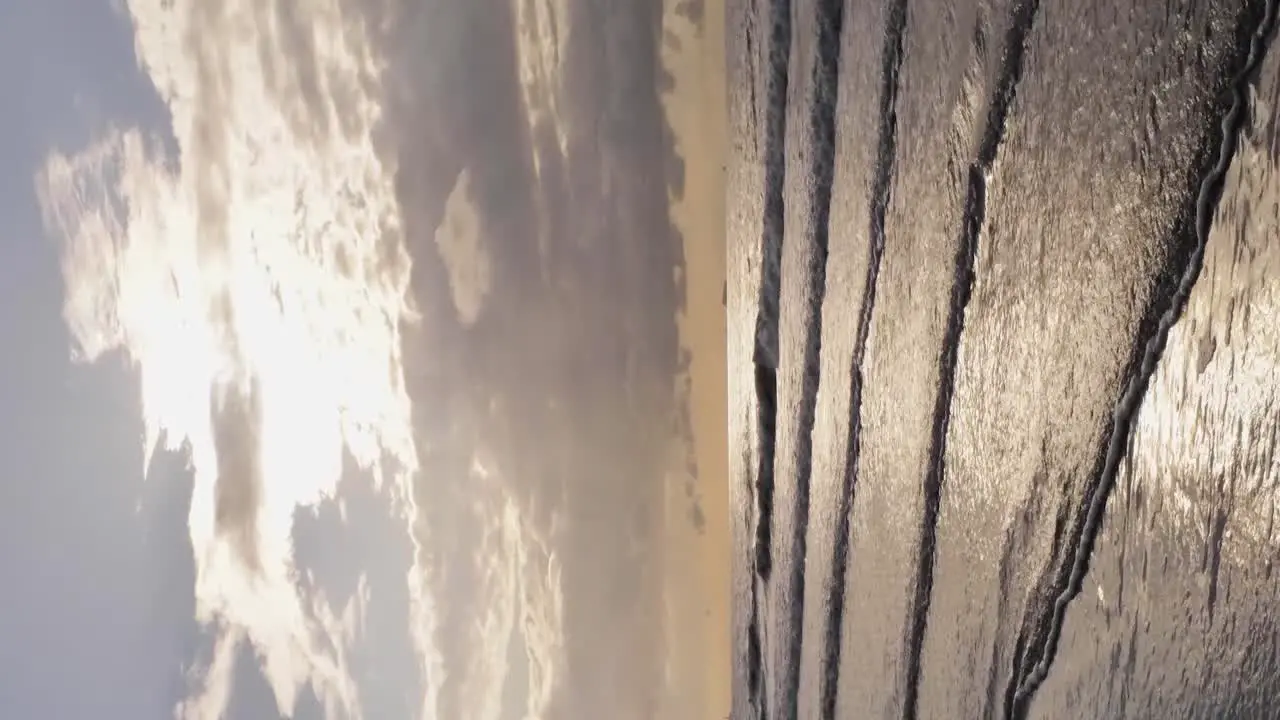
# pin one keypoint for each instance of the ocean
(1003, 360)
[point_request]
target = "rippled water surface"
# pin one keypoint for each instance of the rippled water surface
(1003, 349)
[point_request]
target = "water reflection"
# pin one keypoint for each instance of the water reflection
(1179, 618)
(1046, 162)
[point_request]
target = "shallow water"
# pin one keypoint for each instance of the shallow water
(1003, 359)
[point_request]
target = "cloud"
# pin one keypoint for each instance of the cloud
(566, 157)
(252, 268)
(542, 35)
(213, 681)
(462, 252)
(237, 492)
(522, 578)
(542, 619)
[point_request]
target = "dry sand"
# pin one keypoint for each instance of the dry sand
(697, 508)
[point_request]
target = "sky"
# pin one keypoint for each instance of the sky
(86, 583)
(346, 357)
(104, 556)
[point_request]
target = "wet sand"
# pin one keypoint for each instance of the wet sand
(697, 548)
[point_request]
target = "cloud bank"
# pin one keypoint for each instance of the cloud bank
(253, 270)
(509, 387)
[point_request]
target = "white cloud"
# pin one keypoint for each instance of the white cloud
(254, 273)
(258, 282)
(521, 585)
(542, 618)
(542, 35)
(463, 251)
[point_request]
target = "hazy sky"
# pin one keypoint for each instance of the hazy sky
(214, 213)
(101, 616)
(94, 622)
